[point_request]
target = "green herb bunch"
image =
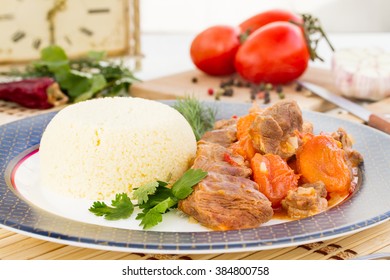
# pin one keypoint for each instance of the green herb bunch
(154, 199)
(80, 79)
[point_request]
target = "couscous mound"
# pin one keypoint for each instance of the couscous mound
(97, 148)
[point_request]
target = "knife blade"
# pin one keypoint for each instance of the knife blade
(372, 119)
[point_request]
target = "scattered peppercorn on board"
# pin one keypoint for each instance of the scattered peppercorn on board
(231, 89)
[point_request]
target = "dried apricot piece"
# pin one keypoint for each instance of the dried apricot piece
(274, 177)
(244, 147)
(244, 123)
(321, 158)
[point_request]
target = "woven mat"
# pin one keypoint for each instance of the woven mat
(17, 246)
(373, 240)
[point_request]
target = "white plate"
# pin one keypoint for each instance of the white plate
(26, 208)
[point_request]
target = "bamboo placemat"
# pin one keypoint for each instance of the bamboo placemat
(15, 246)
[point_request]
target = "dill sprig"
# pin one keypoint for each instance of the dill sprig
(200, 117)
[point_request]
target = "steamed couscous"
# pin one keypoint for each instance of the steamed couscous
(97, 148)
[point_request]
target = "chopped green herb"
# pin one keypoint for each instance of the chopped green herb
(183, 187)
(151, 217)
(164, 198)
(154, 198)
(142, 193)
(121, 208)
(160, 195)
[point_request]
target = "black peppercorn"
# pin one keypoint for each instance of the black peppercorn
(267, 97)
(228, 92)
(298, 87)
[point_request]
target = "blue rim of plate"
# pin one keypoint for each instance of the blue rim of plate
(367, 207)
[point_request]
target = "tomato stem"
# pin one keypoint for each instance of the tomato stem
(313, 33)
(243, 36)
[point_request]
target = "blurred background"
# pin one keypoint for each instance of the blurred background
(170, 16)
(159, 33)
(168, 27)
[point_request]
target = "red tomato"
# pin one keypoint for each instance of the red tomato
(261, 19)
(275, 53)
(214, 49)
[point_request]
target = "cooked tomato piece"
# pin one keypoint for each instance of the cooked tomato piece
(274, 177)
(321, 158)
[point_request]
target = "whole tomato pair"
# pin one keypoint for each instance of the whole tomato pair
(269, 47)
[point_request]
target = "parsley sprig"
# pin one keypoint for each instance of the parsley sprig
(121, 208)
(154, 199)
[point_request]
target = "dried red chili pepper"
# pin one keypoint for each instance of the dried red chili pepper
(35, 93)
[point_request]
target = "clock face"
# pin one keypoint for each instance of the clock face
(78, 26)
(92, 25)
(21, 34)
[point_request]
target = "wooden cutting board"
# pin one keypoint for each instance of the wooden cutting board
(182, 84)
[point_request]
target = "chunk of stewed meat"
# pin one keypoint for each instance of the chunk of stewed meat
(225, 135)
(354, 157)
(217, 158)
(306, 200)
(225, 123)
(224, 202)
(274, 129)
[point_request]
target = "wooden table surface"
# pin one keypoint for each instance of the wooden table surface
(375, 239)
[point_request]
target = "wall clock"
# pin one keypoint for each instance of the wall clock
(78, 26)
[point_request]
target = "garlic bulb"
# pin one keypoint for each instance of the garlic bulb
(362, 73)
